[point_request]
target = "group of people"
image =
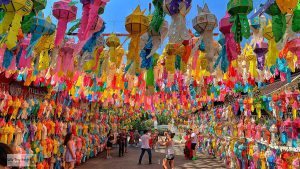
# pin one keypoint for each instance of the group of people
(167, 142)
(191, 140)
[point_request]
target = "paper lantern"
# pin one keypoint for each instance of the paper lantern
(65, 59)
(238, 9)
(231, 45)
(251, 60)
(287, 6)
(64, 13)
(205, 21)
(93, 14)
(136, 24)
(115, 50)
(158, 37)
(39, 27)
(261, 49)
(86, 5)
(278, 21)
(158, 15)
(14, 12)
(273, 52)
(38, 5)
(170, 56)
(177, 9)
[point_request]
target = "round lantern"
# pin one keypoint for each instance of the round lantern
(238, 9)
(112, 41)
(137, 23)
(64, 13)
(205, 21)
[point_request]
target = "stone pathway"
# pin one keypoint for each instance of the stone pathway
(130, 160)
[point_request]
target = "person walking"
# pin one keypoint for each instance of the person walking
(109, 144)
(136, 137)
(170, 153)
(70, 151)
(131, 137)
(194, 138)
(145, 147)
(122, 141)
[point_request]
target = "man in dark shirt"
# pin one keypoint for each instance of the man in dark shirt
(122, 140)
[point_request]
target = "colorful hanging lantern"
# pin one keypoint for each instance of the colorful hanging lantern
(260, 50)
(115, 50)
(231, 45)
(42, 48)
(65, 59)
(238, 9)
(278, 21)
(251, 60)
(38, 5)
(287, 6)
(39, 27)
(158, 37)
(64, 13)
(170, 57)
(205, 23)
(136, 24)
(93, 14)
(86, 5)
(158, 15)
(14, 12)
(273, 52)
(223, 56)
(177, 9)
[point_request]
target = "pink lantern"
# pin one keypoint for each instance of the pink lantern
(65, 59)
(95, 27)
(231, 45)
(64, 13)
(84, 18)
(25, 62)
(93, 14)
(294, 47)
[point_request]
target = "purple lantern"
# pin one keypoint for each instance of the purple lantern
(260, 50)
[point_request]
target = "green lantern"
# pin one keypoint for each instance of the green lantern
(278, 21)
(239, 9)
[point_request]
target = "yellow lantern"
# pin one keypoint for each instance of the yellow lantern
(273, 52)
(136, 24)
(115, 50)
(170, 57)
(251, 60)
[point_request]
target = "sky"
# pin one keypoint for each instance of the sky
(117, 10)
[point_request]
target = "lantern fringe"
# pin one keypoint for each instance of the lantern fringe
(158, 15)
(90, 44)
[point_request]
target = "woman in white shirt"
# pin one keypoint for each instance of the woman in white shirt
(170, 153)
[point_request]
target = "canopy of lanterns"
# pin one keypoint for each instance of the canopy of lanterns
(193, 68)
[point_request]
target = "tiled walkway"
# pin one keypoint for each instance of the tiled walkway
(129, 161)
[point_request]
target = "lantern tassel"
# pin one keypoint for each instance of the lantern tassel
(60, 33)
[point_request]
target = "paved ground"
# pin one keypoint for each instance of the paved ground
(129, 161)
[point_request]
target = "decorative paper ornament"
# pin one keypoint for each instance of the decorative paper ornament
(287, 6)
(42, 48)
(257, 24)
(64, 13)
(296, 19)
(136, 24)
(93, 14)
(273, 52)
(65, 59)
(278, 21)
(251, 60)
(231, 45)
(260, 50)
(39, 27)
(158, 37)
(205, 23)
(14, 11)
(177, 9)
(86, 5)
(38, 5)
(238, 9)
(23, 62)
(158, 16)
(223, 56)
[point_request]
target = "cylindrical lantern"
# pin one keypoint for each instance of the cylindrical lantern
(238, 9)
(64, 13)
(261, 49)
